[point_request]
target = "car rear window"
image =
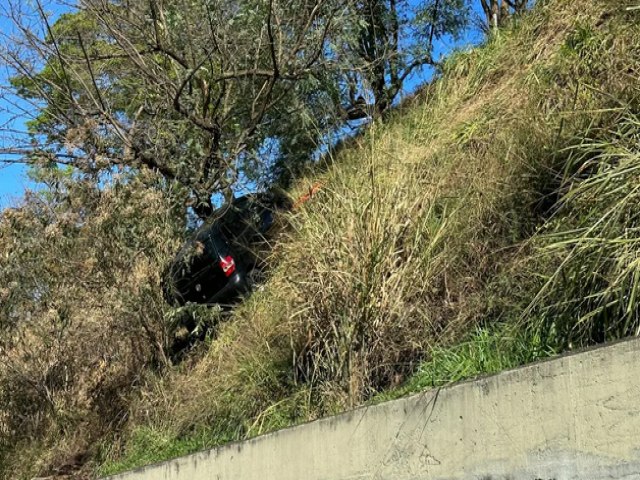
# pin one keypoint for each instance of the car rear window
(197, 274)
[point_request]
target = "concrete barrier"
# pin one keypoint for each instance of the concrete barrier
(575, 417)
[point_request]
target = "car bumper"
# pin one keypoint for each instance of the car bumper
(236, 286)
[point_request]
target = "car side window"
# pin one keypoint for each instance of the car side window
(217, 243)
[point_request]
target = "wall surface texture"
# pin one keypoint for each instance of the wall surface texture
(576, 417)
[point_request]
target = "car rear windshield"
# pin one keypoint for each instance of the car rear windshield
(196, 274)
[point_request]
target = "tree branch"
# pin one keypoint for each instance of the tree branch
(90, 68)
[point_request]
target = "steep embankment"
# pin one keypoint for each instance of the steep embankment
(490, 222)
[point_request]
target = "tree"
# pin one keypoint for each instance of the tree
(190, 89)
(392, 40)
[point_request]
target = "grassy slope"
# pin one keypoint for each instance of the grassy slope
(438, 246)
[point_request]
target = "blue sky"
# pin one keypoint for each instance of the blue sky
(13, 182)
(13, 178)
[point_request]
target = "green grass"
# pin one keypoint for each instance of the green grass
(592, 295)
(487, 350)
(489, 226)
(148, 445)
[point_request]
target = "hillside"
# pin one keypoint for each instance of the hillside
(490, 222)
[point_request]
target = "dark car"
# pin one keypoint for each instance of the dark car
(218, 263)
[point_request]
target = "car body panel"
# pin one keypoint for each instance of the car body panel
(235, 233)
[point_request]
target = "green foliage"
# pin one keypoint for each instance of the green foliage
(194, 91)
(444, 18)
(417, 261)
(593, 293)
(485, 351)
(148, 446)
(81, 316)
(390, 40)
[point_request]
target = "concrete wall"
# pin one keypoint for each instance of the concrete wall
(577, 417)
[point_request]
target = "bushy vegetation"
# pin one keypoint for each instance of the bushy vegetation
(81, 315)
(488, 223)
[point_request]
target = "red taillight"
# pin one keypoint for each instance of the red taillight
(228, 265)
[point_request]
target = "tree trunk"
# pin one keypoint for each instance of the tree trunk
(495, 14)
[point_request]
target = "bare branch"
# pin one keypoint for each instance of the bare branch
(90, 69)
